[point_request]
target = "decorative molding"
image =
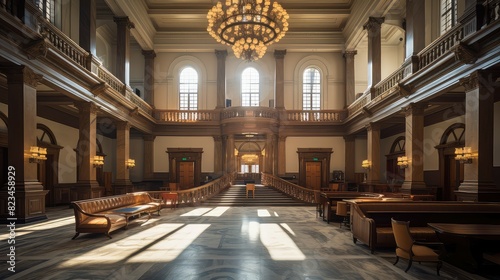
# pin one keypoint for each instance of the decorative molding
(349, 55)
(99, 89)
(470, 83)
(149, 54)
(373, 25)
(122, 125)
(135, 111)
(279, 54)
(86, 107)
(366, 112)
(403, 91)
(372, 126)
(221, 54)
(414, 109)
(465, 54)
(124, 21)
(37, 48)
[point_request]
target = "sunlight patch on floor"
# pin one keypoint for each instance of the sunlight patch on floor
(217, 212)
(279, 245)
(288, 228)
(196, 212)
(263, 213)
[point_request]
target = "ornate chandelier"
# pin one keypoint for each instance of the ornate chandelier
(249, 26)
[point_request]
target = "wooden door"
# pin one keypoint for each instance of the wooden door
(46, 178)
(453, 176)
(186, 175)
(313, 175)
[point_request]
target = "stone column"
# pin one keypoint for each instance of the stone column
(281, 155)
(479, 117)
(221, 78)
(218, 152)
(415, 32)
(268, 163)
(149, 141)
(350, 164)
(87, 31)
(373, 141)
(230, 165)
(279, 95)
(29, 203)
(350, 88)
(414, 149)
(122, 180)
(374, 50)
(123, 26)
(274, 158)
(149, 77)
(88, 187)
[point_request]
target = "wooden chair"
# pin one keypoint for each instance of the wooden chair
(166, 196)
(343, 211)
(251, 187)
(412, 250)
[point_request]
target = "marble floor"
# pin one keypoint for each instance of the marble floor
(206, 243)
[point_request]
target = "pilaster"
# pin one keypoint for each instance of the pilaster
(279, 98)
(374, 50)
(122, 182)
(149, 76)
(123, 26)
(221, 78)
(373, 142)
(149, 141)
(350, 87)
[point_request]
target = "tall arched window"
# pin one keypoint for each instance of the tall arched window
(250, 89)
(188, 89)
(448, 14)
(311, 89)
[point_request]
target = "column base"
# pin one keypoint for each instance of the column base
(28, 205)
(86, 190)
(478, 191)
(414, 187)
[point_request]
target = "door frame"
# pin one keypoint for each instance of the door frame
(314, 154)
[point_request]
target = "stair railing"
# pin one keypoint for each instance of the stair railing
(196, 195)
(291, 189)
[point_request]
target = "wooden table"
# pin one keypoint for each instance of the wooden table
(329, 199)
(133, 211)
(465, 243)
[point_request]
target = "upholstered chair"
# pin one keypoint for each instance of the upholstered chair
(412, 250)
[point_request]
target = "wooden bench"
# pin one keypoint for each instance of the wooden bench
(371, 220)
(106, 214)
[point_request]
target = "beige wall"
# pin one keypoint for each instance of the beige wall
(161, 144)
(337, 160)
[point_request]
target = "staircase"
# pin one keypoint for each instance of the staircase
(264, 196)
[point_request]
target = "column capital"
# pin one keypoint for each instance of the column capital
(372, 126)
(282, 138)
(221, 54)
(124, 21)
(149, 137)
(149, 54)
(279, 54)
(374, 23)
(122, 125)
(414, 109)
(86, 107)
(349, 54)
(349, 138)
(217, 138)
(22, 73)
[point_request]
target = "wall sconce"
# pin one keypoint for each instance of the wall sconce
(37, 154)
(98, 161)
(365, 164)
(464, 155)
(130, 163)
(403, 162)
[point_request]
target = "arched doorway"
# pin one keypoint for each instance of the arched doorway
(249, 161)
(451, 171)
(395, 174)
(48, 170)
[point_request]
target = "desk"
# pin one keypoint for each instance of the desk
(329, 199)
(133, 211)
(466, 243)
(170, 196)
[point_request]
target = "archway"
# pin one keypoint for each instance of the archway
(48, 170)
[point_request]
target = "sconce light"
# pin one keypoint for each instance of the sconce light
(403, 162)
(130, 163)
(98, 161)
(365, 164)
(464, 155)
(37, 154)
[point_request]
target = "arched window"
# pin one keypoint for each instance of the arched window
(250, 89)
(47, 9)
(311, 89)
(188, 89)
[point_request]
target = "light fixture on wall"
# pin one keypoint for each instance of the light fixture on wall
(98, 161)
(37, 154)
(130, 163)
(249, 26)
(464, 155)
(403, 162)
(365, 164)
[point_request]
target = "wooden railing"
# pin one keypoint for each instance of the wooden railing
(256, 112)
(293, 190)
(130, 95)
(389, 82)
(316, 115)
(358, 104)
(186, 115)
(111, 80)
(196, 195)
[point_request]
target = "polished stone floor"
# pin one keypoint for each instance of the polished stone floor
(206, 243)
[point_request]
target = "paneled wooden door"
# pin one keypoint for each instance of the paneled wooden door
(453, 176)
(313, 175)
(186, 175)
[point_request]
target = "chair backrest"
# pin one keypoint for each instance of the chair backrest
(250, 187)
(402, 235)
(341, 208)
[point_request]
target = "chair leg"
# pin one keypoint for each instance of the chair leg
(409, 265)
(439, 265)
(397, 260)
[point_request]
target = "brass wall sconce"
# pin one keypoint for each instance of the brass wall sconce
(465, 155)
(130, 163)
(403, 162)
(37, 154)
(98, 161)
(366, 164)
